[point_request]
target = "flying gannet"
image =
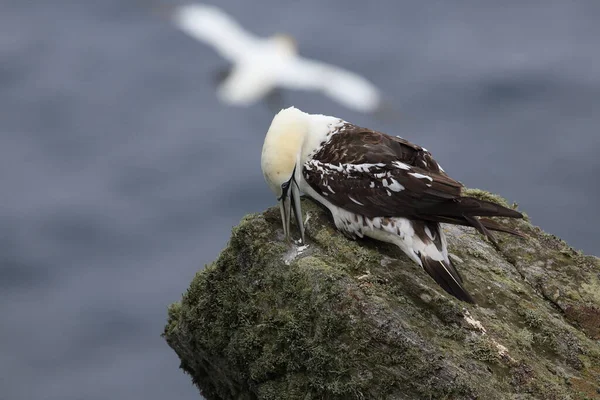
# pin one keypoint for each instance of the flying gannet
(374, 185)
(261, 65)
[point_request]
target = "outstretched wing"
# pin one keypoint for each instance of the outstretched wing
(377, 175)
(345, 87)
(211, 25)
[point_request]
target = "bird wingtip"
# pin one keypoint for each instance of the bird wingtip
(447, 278)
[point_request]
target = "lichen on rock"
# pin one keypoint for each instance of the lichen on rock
(345, 319)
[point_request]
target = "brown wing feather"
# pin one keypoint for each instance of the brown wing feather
(377, 175)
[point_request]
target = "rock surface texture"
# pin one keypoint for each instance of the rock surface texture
(344, 319)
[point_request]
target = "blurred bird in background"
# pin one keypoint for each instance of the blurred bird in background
(261, 66)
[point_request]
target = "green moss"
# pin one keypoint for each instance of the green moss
(358, 320)
(309, 337)
(532, 318)
(447, 310)
(174, 314)
(592, 289)
(486, 196)
(476, 253)
(524, 338)
(482, 349)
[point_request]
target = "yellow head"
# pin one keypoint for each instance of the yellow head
(292, 137)
(281, 153)
(282, 147)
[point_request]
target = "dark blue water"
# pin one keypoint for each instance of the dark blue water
(122, 175)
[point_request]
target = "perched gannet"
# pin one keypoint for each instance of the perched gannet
(260, 65)
(374, 185)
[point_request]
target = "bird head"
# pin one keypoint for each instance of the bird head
(286, 42)
(281, 163)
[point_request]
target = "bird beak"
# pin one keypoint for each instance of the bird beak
(290, 200)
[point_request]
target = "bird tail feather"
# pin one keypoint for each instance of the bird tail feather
(444, 273)
(434, 259)
(470, 206)
(466, 210)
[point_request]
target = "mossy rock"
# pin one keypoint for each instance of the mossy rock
(347, 319)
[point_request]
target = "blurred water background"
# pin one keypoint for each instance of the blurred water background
(122, 174)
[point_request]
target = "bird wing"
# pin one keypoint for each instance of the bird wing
(377, 175)
(246, 84)
(348, 88)
(213, 26)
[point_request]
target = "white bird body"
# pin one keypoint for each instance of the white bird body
(263, 64)
(250, 80)
(374, 185)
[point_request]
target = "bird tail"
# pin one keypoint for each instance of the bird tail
(471, 206)
(444, 273)
(466, 210)
(433, 254)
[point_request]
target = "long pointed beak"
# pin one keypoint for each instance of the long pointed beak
(286, 210)
(290, 201)
(298, 210)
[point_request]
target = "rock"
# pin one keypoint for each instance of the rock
(346, 319)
